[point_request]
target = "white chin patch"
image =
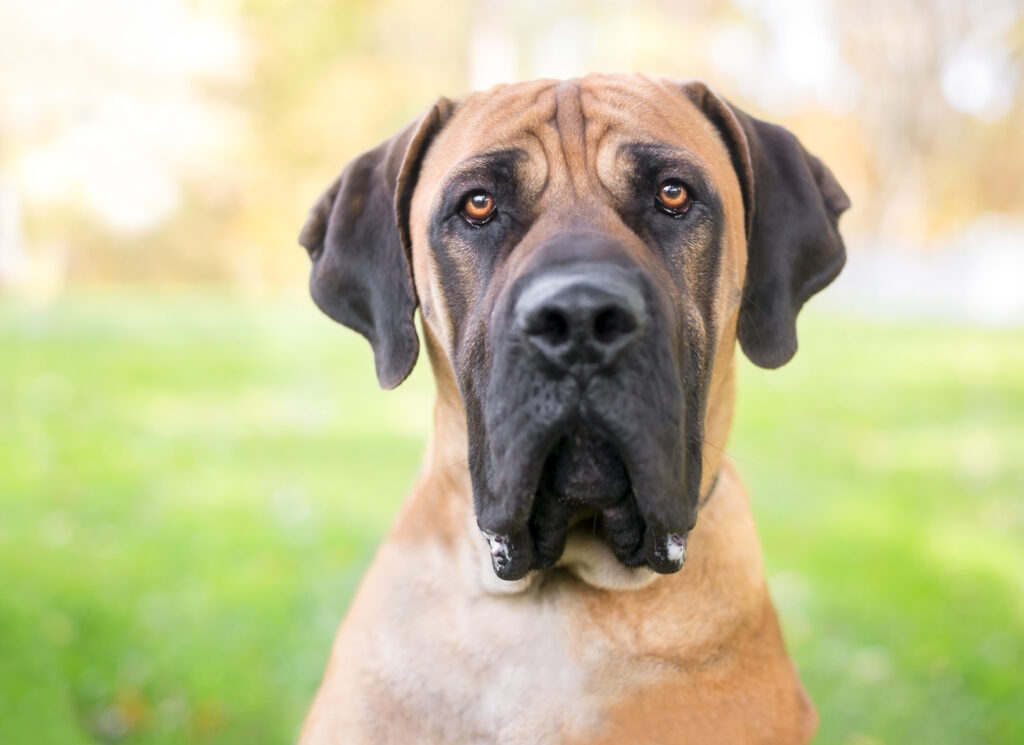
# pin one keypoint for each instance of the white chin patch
(590, 559)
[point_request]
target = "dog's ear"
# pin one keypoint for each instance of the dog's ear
(357, 235)
(793, 204)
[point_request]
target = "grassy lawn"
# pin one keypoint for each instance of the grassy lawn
(191, 487)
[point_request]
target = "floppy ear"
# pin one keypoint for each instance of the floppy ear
(792, 204)
(357, 235)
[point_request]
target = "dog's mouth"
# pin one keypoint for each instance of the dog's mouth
(585, 486)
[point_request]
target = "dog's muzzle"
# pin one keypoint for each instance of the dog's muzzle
(583, 419)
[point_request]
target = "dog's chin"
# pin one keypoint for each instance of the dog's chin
(588, 556)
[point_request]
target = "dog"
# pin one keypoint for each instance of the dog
(577, 562)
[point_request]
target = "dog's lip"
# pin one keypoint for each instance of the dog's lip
(665, 553)
(607, 502)
(532, 494)
(513, 555)
(614, 518)
(588, 555)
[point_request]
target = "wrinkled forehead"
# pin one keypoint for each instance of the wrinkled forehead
(573, 129)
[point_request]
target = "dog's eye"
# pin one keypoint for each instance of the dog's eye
(478, 207)
(673, 197)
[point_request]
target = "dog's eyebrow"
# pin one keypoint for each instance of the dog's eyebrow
(664, 161)
(496, 165)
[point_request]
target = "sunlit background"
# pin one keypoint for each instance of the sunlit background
(195, 466)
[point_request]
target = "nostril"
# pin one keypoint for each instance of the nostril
(551, 325)
(582, 319)
(612, 323)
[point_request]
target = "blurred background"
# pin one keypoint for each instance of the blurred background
(196, 466)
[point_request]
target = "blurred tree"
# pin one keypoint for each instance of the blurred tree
(174, 141)
(940, 104)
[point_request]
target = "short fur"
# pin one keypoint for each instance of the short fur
(585, 639)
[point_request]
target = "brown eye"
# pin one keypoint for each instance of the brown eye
(478, 207)
(673, 196)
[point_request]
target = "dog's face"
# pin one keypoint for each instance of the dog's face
(583, 253)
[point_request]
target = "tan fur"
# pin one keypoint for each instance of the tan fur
(435, 648)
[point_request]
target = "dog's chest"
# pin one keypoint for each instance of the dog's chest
(468, 669)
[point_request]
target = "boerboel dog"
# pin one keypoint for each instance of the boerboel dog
(584, 255)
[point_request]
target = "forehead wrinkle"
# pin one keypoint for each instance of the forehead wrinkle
(498, 117)
(570, 127)
(535, 138)
(631, 114)
(649, 109)
(608, 151)
(594, 155)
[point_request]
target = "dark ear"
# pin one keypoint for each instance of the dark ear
(357, 235)
(792, 203)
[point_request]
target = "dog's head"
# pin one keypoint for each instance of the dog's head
(583, 254)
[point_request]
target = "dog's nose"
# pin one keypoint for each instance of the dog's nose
(581, 318)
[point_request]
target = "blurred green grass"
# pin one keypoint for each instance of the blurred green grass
(190, 488)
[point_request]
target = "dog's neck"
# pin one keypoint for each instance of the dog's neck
(441, 505)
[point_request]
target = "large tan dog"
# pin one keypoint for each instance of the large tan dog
(584, 255)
